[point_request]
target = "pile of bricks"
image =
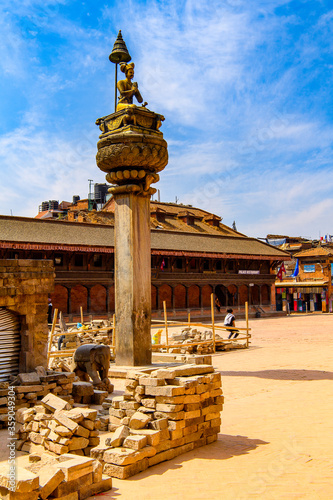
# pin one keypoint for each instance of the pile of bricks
(160, 416)
(72, 478)
(30, 388)
(85, 393)
(58, 428)
(97, 332)
(191, 335)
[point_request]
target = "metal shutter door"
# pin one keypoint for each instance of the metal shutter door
(10, 344)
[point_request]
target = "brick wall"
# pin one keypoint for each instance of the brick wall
(25, 285)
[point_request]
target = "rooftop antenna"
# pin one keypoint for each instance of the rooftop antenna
(119, 54)
(177, 200)
(158, 195)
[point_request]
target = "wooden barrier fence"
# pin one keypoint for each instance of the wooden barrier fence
(157, 324)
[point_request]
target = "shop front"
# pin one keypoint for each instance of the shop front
(302, 296)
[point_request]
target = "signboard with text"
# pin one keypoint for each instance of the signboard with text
(248, 271)
(309, 268)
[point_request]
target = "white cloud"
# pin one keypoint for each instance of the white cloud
(245, 100)
(40, 166)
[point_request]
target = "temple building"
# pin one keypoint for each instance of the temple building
(193, 254)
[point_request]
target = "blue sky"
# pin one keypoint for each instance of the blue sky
(245, 88)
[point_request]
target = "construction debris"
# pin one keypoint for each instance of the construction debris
(30, 388)
(63, 478)
(193, 341)
(96, 332)
(57, 427)
(160, 416)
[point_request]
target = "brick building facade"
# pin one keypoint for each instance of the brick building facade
(193, 255)
(311, 289)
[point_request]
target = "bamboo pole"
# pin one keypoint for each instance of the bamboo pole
(189, 318)
(165, 323)
(213, 321)
(81, 312)
(247, 322)
(55, 315)
(217, 327)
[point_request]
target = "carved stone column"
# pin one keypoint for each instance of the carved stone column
(132, 150)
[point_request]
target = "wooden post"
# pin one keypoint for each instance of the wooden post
(189, 318)
(81, 311)
(247, 323)
(213, 321)
(165, 324)
(55, 316)
(114, 333)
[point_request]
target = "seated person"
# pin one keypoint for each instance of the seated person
(229, 320)
(127, 88)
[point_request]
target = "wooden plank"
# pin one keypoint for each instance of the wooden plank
(55, 315)
(213, 319)
(165, 322)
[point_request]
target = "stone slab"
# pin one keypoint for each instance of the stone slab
(25, 481)
(49, 478)
(67, 487)
(53, 403)
(75, 466)
(124, 472)
(95, 488)
(9, 495)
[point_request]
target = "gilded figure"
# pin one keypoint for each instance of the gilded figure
(127, 88)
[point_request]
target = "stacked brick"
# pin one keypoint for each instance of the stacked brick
(84, 393)
(189, 336)
(160, 416)
(97, 332)
(30, 388)
(74, 478)
(58, 428)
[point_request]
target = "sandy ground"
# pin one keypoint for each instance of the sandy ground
(277, 425)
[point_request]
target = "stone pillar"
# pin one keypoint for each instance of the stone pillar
(132, 279)
(131, 150)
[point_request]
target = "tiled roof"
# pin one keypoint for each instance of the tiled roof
(209, 243)
(314, 252)
(16, 230)
(172, 221)
(41, 215)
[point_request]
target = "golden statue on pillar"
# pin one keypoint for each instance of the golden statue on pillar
(131, 149)
(127, 88)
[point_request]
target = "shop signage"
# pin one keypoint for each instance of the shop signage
(248, 271)
(309, 268)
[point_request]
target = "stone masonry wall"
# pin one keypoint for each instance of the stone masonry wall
(24, 289)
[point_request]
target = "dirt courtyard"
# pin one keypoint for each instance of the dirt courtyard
(277, 423)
